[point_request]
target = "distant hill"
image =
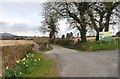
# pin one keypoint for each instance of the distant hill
(7, 35)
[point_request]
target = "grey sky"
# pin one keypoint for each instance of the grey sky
(20, 16)
(23, 18)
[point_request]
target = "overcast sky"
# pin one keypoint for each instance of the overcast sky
(23, 18)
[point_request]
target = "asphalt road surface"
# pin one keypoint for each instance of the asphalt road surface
(74, 63)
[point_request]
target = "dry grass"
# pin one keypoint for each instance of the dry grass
(10, 54)
(41, 40)
(15, 42)
(6, 46)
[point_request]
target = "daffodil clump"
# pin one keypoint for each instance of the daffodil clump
(22, 66)
(0, 75)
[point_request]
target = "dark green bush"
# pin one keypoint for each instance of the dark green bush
(64, 41)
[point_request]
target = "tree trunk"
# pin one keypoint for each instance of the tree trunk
(97, 36)
(52, 37)
(107, 24)
(107, 28)
(83, 35)
(107, 20)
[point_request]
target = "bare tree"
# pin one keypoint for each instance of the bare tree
(50, 23)
(100, 16)
(109, 7)
(76, 12)
(80, 15)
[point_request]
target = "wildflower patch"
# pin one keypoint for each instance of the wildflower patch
(33, 65)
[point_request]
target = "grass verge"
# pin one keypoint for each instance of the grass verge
(94, 46)
(34, 65)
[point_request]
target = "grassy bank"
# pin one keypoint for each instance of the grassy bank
(34, 65)
(14, 52)
(42, 67)
(94, 45)
(22, 61)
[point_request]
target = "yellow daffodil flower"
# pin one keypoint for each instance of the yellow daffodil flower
(6, 67)
(17, 61)
(34, 60)
(32, 55)
(23, 62)
(20, 72)
(23, 59)
(27, 56)
(0, 75)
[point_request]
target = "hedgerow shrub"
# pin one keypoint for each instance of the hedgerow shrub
(12, 53)
(95, 45)
(64, 41)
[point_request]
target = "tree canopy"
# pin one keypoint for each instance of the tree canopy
(80, 15)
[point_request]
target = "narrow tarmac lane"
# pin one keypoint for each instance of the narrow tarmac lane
(85, 64)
